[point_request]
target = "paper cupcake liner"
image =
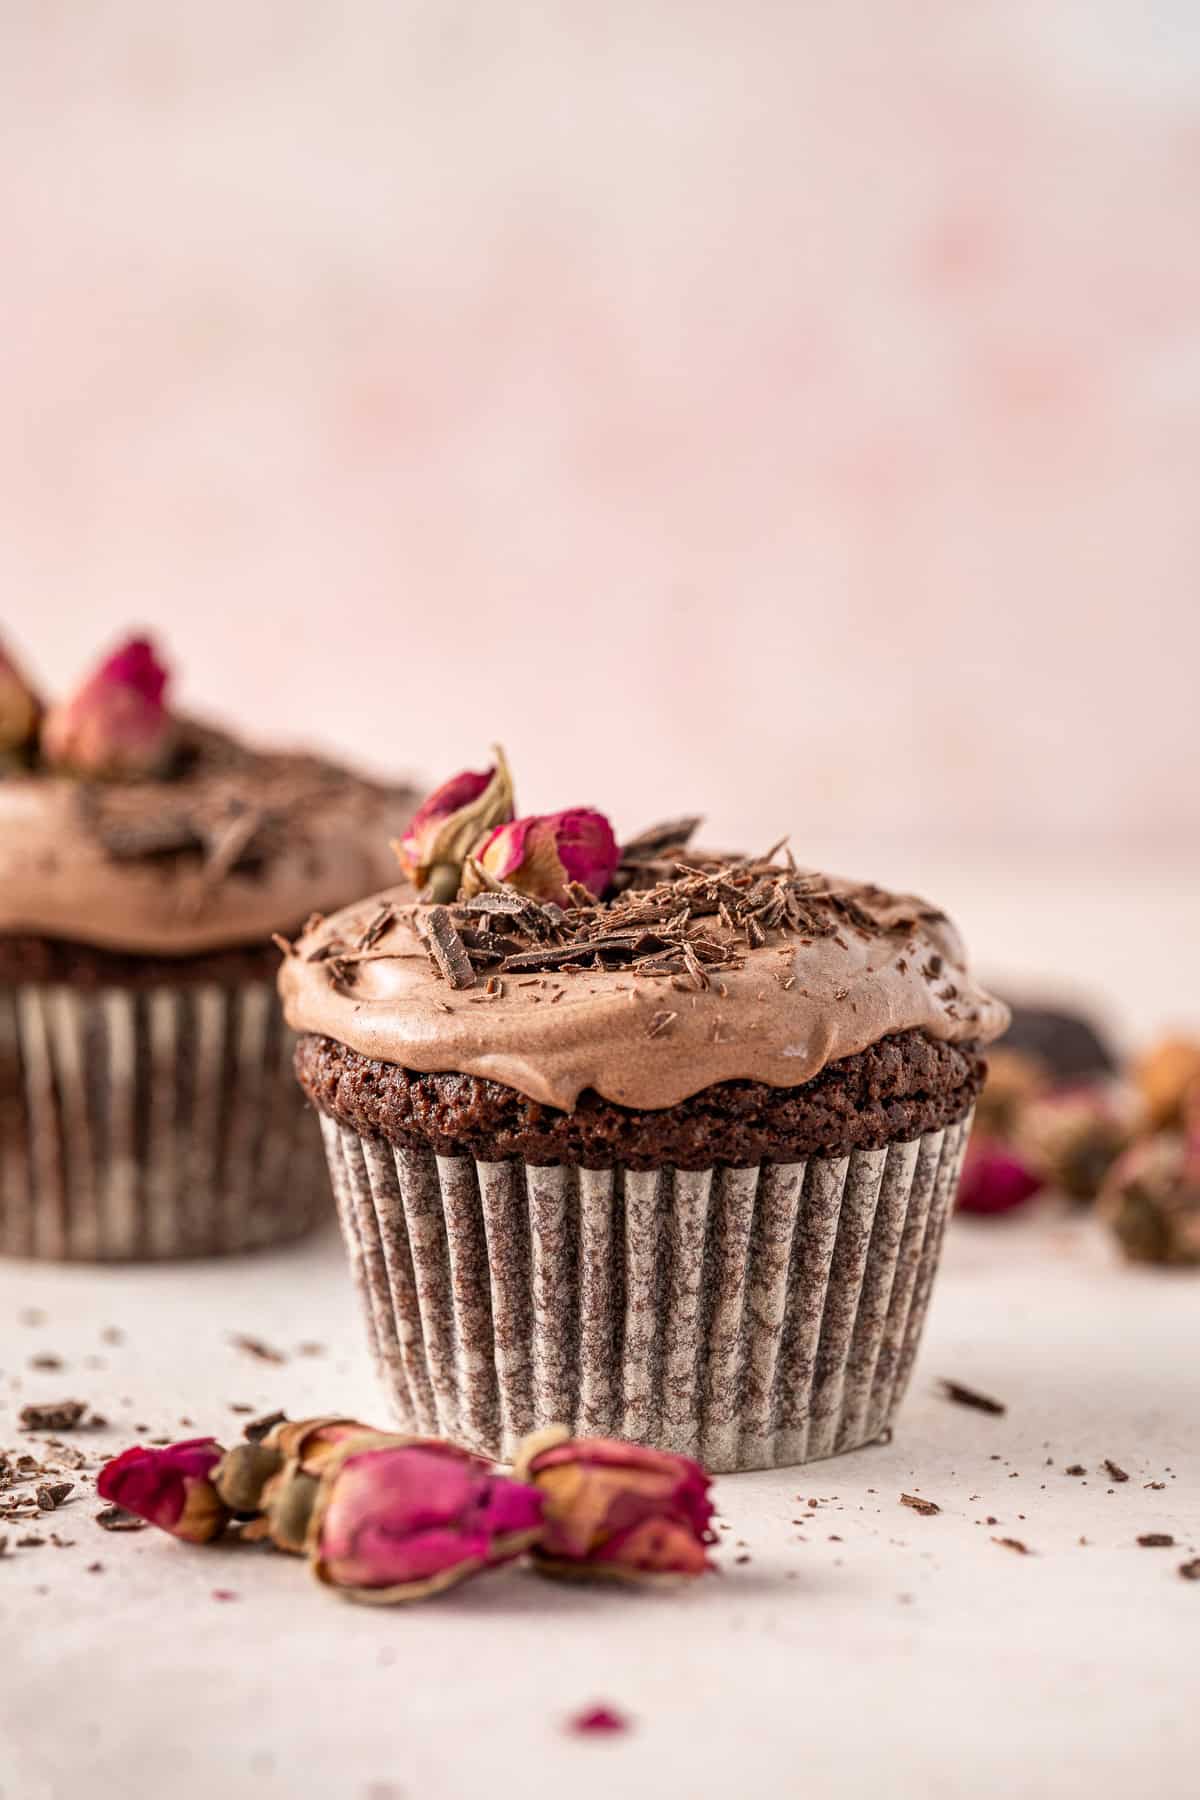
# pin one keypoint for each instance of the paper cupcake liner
(139, 1125)
(753, 1318)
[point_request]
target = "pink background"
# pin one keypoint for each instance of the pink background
(789, 411)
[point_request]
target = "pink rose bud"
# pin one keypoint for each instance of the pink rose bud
(404, 1521)
(994, 1178)
(277, 1477)
(542, 855)
(448, 826)
(617, 1510)
(171, 1488)
(116, 726)
(1073, 1135)
(20, 710)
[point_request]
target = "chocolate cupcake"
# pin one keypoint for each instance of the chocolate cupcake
(673, 1165)
(146, 1101)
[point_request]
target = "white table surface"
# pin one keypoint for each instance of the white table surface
(864, 1651)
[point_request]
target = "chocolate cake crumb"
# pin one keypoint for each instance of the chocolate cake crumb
(1156, 1540)
(1075, 1469)
(926, 1508)
(1114, 1469)
(899, 1088)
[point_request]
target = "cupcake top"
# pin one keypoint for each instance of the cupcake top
(128, 828)
(692, 969)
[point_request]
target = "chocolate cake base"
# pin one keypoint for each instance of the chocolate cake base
(896, 1090)
(28, 959)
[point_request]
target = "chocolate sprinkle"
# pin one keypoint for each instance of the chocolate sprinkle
(446, 948)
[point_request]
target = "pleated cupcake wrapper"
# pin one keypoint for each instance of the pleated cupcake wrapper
(753, 1318)
(151, 1124)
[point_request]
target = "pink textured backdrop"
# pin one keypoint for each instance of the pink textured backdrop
(793, 410)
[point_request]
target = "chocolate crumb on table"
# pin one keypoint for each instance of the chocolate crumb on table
(1116, 1472)
(1156, 1540)
(926, 1508)
(1190, 1570)
(1011, 1543)
(57, 1415)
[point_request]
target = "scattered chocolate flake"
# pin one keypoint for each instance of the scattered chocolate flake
(1191, 1570)
(1075, 1469)
(30, 1542)
(55, 1415)
(240, 1406)
(1156, 1540)
(255, 1347)
(375, 927)
(61, 1543)
(95, 1568)
(115, 1518)
(447, 950)
(965, 1396)
(1114, 1469)
(47, 1360)
(672, 834)
(1156, 1487)
(257, 1429)
(926, 1508)
(3, 1545)
(1013, 1544)
(53, 1493)
(597, 1720)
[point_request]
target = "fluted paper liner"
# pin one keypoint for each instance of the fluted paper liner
(753, 1318)
(144, 1124)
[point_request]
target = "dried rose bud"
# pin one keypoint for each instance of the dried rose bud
(1152, 1200)
(1073, 1135)
(542, 855)
(615, 1510)
(1167, 1078)
(20, 711)
(448, 826)
(172, 1488)
(994, 1178)
(405, 1521)
(1014, 1080)
(277, 1478)
(116, 726)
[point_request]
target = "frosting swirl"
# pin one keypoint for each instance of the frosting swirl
(774, 1003)
(238, 845)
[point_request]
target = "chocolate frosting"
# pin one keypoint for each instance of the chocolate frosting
(778, 1012)
(237, 844)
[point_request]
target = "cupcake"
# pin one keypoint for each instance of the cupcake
(146, 1101)
(653, 1143)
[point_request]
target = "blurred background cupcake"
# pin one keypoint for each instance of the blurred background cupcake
(146, 861)
(649, 1142)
